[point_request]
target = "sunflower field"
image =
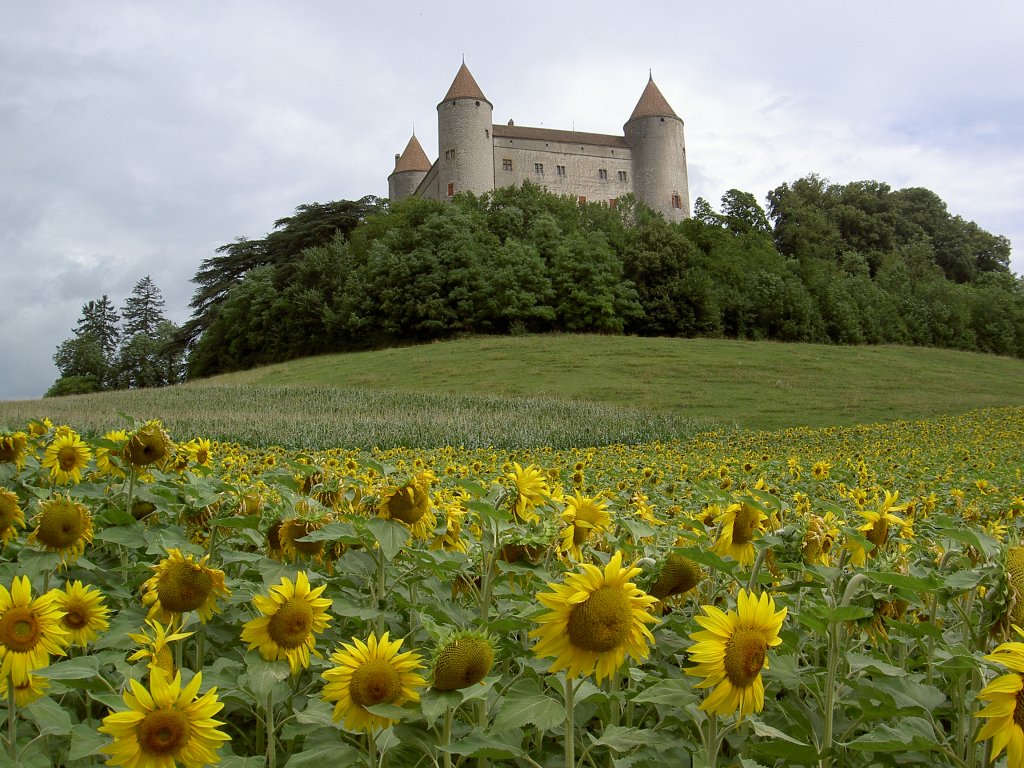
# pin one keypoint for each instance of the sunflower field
(836, 597)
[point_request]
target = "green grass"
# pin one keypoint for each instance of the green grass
(556, 390)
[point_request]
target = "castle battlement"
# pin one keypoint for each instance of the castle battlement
(476, 155)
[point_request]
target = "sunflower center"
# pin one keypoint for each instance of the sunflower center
(879, 533)
(67, 458)
(290, 625)
(463, 663)
(602, 622)
(164, 731)
(743, 525)
(402, 506)
(61, 526)
(1018, 708)
(296, 529)
(75, 618)
(744, 656)
(679, 575)
(375, 682)
(183, 587)
(19, 630)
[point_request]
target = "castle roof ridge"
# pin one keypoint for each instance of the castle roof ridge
(413, 158)
(464, 86)
(652, 103)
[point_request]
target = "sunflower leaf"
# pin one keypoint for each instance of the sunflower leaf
(49, 716)
(391, 536)
(484, 745)
(525, 704)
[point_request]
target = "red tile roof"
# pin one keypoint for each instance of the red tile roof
(652, 103)
(413, 158)
(464, 86)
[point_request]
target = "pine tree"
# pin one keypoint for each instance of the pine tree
(143, 310)
(100, 321)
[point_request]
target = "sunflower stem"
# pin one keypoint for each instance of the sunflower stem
(446, 736)
(761, 555)
(271, 741)
(713, 742)
(570, 724)
(371, 749)
(381, 587)
(12, 720)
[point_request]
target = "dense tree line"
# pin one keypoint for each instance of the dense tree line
(136, 348)
(846, 264)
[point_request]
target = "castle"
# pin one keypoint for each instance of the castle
(475, 155)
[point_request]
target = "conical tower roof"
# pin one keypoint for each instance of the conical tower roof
(464, 86)
(652, 103)
(413, 158)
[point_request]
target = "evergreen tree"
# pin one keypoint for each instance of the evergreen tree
(143, 310)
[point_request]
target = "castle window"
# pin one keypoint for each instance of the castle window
(622, 176)
(613, 203)
(487, 133)
(449, 154)
(582, 199)
(560, 170)
(451, 190)
(602, 173)
(677, 201)
(538, 168)
(506, 164)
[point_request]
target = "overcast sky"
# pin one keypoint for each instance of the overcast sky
(137, 137)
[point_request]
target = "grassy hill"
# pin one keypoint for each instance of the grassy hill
(559, 389)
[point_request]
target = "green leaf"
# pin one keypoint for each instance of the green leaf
(49, 716)
(391, 536)
(622, 739)
(911, 733)
(261, 675)
(391, 712)
(913, 583)
(433, 704)
(763, 729)
(525, 704)
(860, 662)
(675, 692)
(85, 741)
(483, 745)
(132, 536)
(329, 752)
(81, 668)
(246, 521)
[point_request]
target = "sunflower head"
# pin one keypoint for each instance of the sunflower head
(291, 615)
(85, 614)
(149, 444)
(180, 584)
(30, 631)
(462, 660)
(156, 648)
(530, 491)
(165, 724)
(11, 515)
(294, 528)
(596, 618)
(27, 692)
(731, 650)
(407, 503)
(678, 575)
(1014, 570)
(12, 448)
(66, 457)
(62, 525)
(369, 673)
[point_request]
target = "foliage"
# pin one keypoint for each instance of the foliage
(883, 651)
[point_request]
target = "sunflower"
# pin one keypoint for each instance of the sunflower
(739, 525)
(582, 516)
(30, 631)
(27, 692)
(1005, 708)
(149, 444)
(12, 448)
(292, 616)
(367, 674)
(678, 575)
(731, 650)
(531, 491)
(819, 538)
(462, 660)
(62, 525)
(596, 619)
(180, 584)
(85, 615)
(111, 446)
(165, 724)
(409, 503)
(157, 648)
(876, 527)
(66, 457)
(11, 516)
(294, 528)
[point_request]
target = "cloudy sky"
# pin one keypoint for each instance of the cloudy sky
(136, 137)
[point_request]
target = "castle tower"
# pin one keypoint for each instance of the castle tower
(410, 168)
(465, 149)
(654, 133)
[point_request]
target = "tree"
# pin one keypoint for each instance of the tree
(100, 321)
(86, 361)
(143, 310)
